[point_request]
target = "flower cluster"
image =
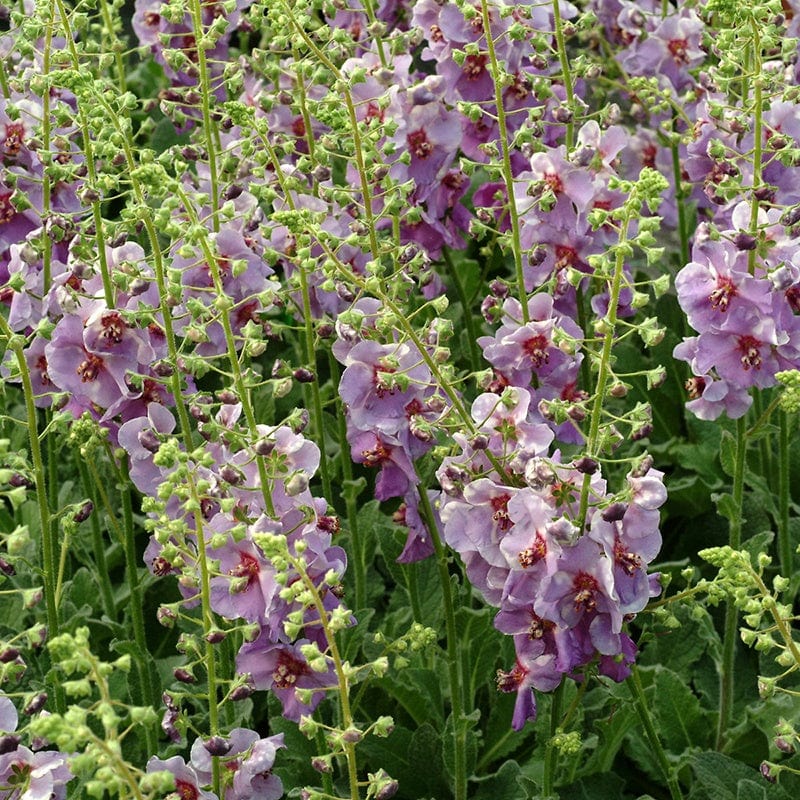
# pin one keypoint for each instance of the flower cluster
(564, 560)
(25, 772)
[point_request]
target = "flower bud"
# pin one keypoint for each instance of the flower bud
(217, 746)
(183, 675)
(9, 743)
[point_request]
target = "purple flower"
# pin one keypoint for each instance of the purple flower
(282, 668)
(582, 590)
(187, 782)
(246, 768)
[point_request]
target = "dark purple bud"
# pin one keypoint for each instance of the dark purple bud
(784, 745)
(8, 655)
(183, 675)
(198, 413)
(6, 568)
(499, 289)
(233, 191)
(745, 241)
(217, 746)
(408, 254)
(9, 743)
(490, 309)
(226, 124)
(583, 157)
(163, 369)
(344, 293)
(231, 475)
(642, 432)
(352, 736)
(791, 216)
(764, 194)
(536, 256)
(563, 115)
(263, 447)
(321, 173)
(190, 153)
(325, 330)
(241, 692)
(166, 616)
(148, 439)
(215, 637)
(766, 772)
(643, 467)
(388, 790)
(615, 512)
(84, 512)
(586, 465)
(36, 704)
(138, 286)
(321, 764)
(480, 441)
(227, 396)
(577, 413)
(303, 375)
(300, 422)
(539, 62)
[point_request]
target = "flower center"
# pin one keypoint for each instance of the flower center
(533, 554)
(90, 368)
(418, 144)
(721, 296)
(751, 354)
(288, 670)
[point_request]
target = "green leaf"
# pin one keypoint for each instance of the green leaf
(727, 453)
(503, 783)
(471, 737)
(719, 777)
(682, 723)
(481, 645)
(750, 790)
(604, 786)
(418, 692)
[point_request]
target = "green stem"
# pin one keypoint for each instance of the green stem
(680, 201)
(453, 653)
(318, 421)
(90, 161)
(604, 369)
(635, 685)
(784, 538)
(98, 546)
(132, 562)
(209, 125)
(758, 135)
(351, 508)
(469, 320)
(508, 175)
(339, 668)
(566, 74)
(731, 633)
(45, 520)
(551, 752)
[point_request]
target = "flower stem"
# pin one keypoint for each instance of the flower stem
(469, 321)
(551, 752)
(730, 634)
(453, 659)
(635, 685)
(566, 74)
(508, 175)
(49, 542)
(784, 537)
